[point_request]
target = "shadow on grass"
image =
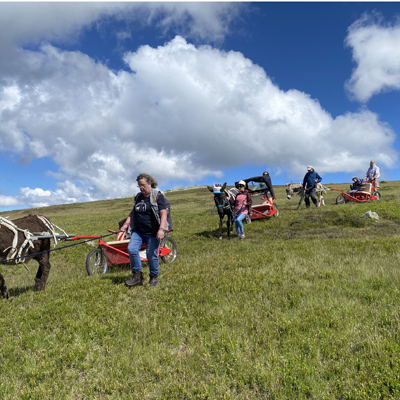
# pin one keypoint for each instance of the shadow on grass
(15, 292)
(215, 234)
(116, 280)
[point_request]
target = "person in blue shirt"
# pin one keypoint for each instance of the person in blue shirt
(356, 185)
(311, 178)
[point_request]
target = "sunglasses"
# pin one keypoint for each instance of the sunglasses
(240, 185)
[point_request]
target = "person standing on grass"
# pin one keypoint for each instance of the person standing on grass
(148, 222)
(242, 204)
(373, 173)
(311, 178)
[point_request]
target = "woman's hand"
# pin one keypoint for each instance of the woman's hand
(160, 234)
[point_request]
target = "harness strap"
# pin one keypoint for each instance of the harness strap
(13, 251)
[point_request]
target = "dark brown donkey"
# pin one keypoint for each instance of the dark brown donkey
(223, 207)
(34, 225)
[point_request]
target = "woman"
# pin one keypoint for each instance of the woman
(242, 204)
(148, 222)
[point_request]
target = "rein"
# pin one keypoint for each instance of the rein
(225, 205)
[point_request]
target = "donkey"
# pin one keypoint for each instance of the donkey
(221, 199)
(298, 188)
(14, 236)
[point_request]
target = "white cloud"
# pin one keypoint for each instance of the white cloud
(181, 113)
(63, 22)
(8, 201)
(376, 50)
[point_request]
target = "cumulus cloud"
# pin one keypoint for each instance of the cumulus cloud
(179, 111)
(376, 50)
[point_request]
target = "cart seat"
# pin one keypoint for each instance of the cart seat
(366, 189)
(118, 243)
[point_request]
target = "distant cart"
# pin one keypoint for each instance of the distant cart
(116, 252)
(368, 192)
(263, 205)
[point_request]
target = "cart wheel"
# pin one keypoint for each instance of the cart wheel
(376, 194)
(96, 262)
(340, 199)
(275, 207)
(169, 244)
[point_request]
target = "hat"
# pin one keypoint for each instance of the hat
(217, 188)
(354, 177)
(242, 183)
(309, 168)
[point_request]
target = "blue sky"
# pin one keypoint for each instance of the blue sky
(92, 94)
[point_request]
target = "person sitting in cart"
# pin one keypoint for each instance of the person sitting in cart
(148, 222)
(265, 183)
(311, 178)
(356, 185)
(242, 204)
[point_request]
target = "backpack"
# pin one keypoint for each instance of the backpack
(154, 207)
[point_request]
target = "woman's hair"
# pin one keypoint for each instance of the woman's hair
(149, 179)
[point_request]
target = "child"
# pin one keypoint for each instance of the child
(356, 186)
(242, 204)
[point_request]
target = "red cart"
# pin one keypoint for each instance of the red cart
(368, 192)
(116, 252)
(263, 205)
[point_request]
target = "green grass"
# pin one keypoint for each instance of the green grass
(306, 307)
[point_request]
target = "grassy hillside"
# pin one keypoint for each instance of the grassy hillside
(307, 306)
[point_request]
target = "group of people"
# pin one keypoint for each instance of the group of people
(371, 176)
(147, 222)
(312, 178)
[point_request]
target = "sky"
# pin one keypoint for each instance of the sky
(93, 94)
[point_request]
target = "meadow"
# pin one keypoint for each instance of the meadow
(306, 307)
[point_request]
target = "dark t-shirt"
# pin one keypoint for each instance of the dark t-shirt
(144, 220)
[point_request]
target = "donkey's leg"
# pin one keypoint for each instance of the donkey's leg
(43, 271)
(220, 227)
(318, 199)
(3, 288)
(301, 199)
(228, 225)
(322, 200)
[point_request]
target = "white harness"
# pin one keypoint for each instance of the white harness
(13, 251)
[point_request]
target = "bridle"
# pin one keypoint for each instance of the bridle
(225, 205)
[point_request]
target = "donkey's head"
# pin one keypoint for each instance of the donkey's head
(220, 196)
(293, 188)
(289, 190)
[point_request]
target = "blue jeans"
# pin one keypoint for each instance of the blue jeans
(238, 223)
(152, 245)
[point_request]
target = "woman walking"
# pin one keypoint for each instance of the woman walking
(148, 222)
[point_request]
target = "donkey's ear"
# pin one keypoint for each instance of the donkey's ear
(224, 186)
(210, 188)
